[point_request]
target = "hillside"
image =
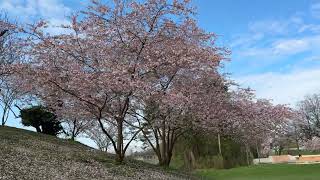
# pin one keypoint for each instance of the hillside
(29, 155)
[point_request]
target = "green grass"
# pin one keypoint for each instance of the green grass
(265, 172)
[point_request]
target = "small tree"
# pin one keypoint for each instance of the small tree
(309, 111)
(41, 119)
(101, 140)
(8, 96)
(8, 56)
(72, 128)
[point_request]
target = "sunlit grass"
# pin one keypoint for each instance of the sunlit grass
(265, 172)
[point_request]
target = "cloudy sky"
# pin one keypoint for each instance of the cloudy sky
(275, 44)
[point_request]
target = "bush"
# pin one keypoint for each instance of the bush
(205, 162)
(41, 119)
(201, 151)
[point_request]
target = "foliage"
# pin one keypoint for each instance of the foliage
(116, 57)
(309, 116)
(8, 55)
(102, 141)
(41, 119)
(205, 150)
(313, 144)
(72, 128)
(144, 69)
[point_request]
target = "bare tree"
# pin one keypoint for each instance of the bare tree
(74, 127)
(8, 96)
(8, 39)
(8, 55)
(101, 140)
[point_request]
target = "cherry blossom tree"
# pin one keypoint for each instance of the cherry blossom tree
(9, 54)
(313, 144)
(141, 68)
(163, 121)
(114, 58)
(309, 116)
(239, 114)
(259, 121)
(101, 140)
(8, 95)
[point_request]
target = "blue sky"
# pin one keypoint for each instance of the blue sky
(275, 44)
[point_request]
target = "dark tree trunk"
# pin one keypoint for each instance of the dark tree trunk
(119, 151)
(74, 129)
(38, 129)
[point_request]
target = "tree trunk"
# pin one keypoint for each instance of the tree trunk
(163, 145)
(247, 155)
(298, 148)
(166, 156)
(2, 122)
(73, 135)
(258, 152)
(38, 129)
(189, 159)
(280, 150)
(169, 156)
(219, 145)
(119, 151)
(3, 119)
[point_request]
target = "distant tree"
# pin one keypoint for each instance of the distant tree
(8, 55)
(309, 111)
(101, 140)
(313, 144)
(41, 119)
(8, 95)
(73, 120)
(72, 128)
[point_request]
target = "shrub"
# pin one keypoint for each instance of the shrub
(41, 119)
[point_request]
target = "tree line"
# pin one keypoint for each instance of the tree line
(134, 71)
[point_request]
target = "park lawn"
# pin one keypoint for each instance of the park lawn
(265, 172)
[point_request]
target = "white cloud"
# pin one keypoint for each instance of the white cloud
(275, 26)
(19, 8)
(291, 46)
(286, 88)
(314, 28)
(280, 48)
(32, 10)
(268, 27)
(243, 40)
(272, 39)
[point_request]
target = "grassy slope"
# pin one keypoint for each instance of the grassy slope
(29, 155)
(265, 172)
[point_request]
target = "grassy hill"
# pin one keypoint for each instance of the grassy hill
(29, 155)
